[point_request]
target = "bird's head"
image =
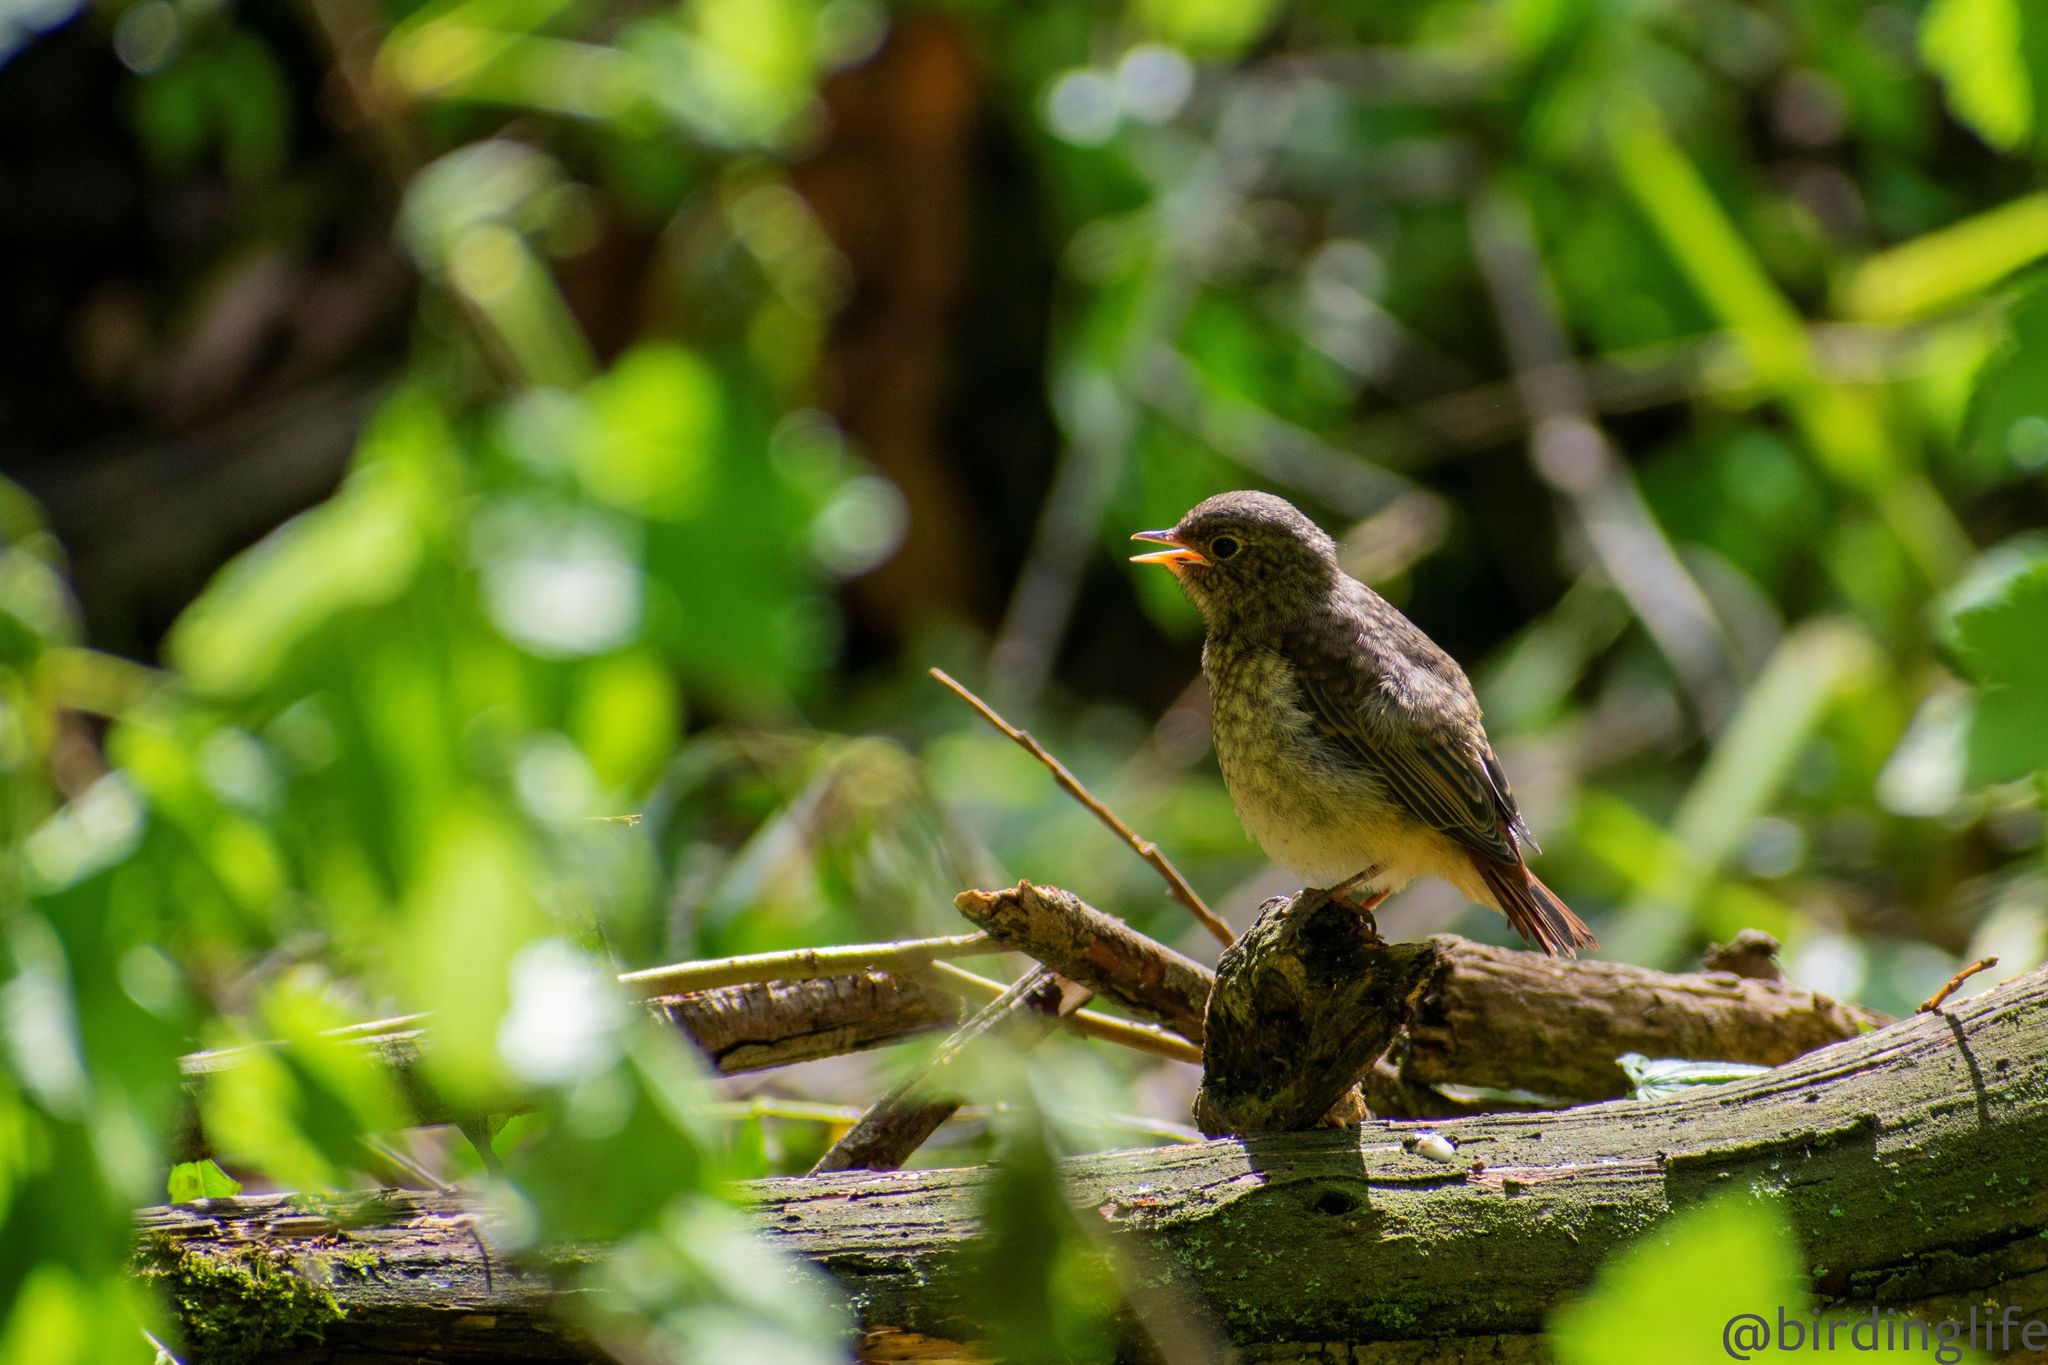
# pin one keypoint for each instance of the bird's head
(1245, 557)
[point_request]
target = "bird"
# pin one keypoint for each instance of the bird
(1350, 742)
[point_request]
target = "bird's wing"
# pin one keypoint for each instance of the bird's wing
(1417, 729)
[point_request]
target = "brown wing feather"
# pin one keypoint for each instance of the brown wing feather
(1440, 775)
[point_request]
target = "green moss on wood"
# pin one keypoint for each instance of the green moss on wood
(236, 1306)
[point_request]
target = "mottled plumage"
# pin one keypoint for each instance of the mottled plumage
(1349, 741)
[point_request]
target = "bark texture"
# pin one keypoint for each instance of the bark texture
(1304, 1002)
(1913, 1161)
(395, 1275)
(1507, 1019)
(1100, 951)
(754, 1027)
(1487, 1017)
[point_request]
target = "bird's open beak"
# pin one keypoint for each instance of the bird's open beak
(1172, 558)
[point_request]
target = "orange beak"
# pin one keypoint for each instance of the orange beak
(1172, 558)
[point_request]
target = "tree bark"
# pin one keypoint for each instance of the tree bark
(398, 1275)
(1487, 1017)
(1303, 1004)
(1913, 1161)
(1510, 1020)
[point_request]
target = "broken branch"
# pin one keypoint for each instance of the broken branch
(1083, 944)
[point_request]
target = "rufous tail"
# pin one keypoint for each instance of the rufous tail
(1538, 915)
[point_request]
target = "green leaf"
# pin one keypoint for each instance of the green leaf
(1939, 269)
(1669, 1295)
(201, 1179)
(1210, 28)
(361, 548)
(1996, 624)
(1659, 1078)
(1974, 46)
(1045, 1292)
(656, 422)
(2008, 424)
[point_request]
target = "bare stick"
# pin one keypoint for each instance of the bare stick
(833, 1115)
(1160, 1042)
(1083, 944)
(802, 964)
(1933, 1002)
(405, 1166)
(1176, 885)
(1502, 1019)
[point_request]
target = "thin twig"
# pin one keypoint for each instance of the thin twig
(163, 1352)
(845, 1115)
(809, 1111)
(802, 964)
(403, 1164)
(737, 1028)
(1176, 885)
(1933, 1002)
(1160, 1042)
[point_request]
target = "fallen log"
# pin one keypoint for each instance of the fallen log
(1913, 1161)
(1484, 1017)
(1511, 1020)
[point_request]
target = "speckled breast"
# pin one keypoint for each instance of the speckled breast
(1311, 808)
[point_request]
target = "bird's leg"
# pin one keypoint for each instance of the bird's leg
(1342, 890)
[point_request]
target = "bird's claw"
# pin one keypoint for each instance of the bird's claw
(1346, 893)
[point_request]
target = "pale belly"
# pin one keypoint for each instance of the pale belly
(1315, 812)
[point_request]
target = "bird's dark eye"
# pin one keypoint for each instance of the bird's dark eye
(1223, 547)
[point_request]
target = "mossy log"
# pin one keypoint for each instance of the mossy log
(396, 1274)
(1913, 1161)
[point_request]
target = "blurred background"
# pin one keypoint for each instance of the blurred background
(430, 429)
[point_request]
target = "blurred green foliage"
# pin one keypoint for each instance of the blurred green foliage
(567, 577)
(1720, 1281)
(1681, 1285)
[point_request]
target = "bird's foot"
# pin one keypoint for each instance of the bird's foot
(1351, 892)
